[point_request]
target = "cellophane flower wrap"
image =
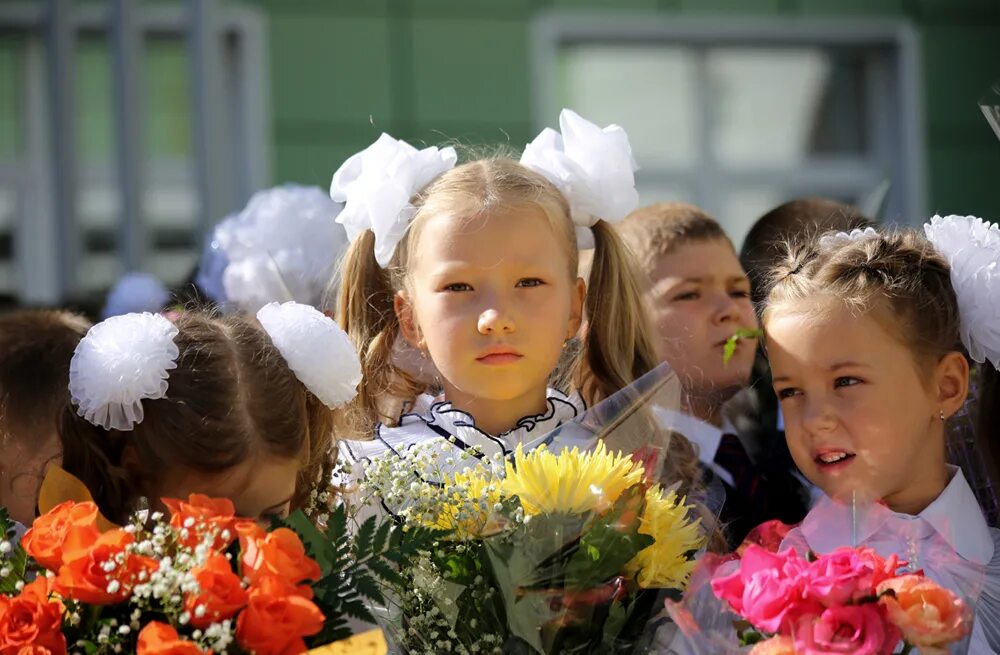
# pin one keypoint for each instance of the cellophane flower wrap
(570, 543)
(195, 579)
(769, 600)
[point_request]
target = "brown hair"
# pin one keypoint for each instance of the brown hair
(231, 397)
(659, 229)
(36, 347)
(898, 271)
(617, 347)
(797, 221)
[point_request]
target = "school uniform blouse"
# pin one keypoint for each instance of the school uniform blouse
(950, 541)
(438, 427)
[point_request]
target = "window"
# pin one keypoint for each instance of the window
(740, 118)
(126, 130)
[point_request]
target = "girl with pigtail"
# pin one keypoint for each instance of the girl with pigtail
(869, 336)
(474, 267)
(224, 406)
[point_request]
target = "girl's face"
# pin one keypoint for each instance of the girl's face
(22, 469)
(492, 301)
(259, 488)
(862, 419)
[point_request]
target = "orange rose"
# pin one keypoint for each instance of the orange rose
(82, 576)
(201, 515)
(221, 596)
(35, 649)
(44, 541)
(31, 620)
(775, 646)
(928, 615)
(161, 639)
(281, 554)
(275, 621)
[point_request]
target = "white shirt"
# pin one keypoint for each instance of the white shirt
(704, 435)
(949, 540)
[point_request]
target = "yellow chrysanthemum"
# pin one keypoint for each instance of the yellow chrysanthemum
(464, 505)
(570, 482)
(665, 564)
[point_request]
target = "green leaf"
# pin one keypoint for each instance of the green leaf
(366, 586)
(363, 539)
(615, 537)
(385, 572)
(356, 609)
(381, 538)
(729, 349)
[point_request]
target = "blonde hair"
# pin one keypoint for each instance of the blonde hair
(615, 350)
(898, 272)
(659, 229)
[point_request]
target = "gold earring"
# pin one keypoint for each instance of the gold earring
(941, 414)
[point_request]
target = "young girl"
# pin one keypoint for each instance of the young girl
(863, 338)
(227, 407)
(35, 351)
(474, 267)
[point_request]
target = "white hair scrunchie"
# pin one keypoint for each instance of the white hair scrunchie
(592, 167)
(972, 248)
(828, 241)
(319, 353)
(377, 184)
(119, 363)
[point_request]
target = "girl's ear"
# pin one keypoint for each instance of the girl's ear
(579, 294)
(407, 320)
(952, 383)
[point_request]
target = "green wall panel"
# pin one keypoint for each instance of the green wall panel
(329, 68)
(468, 70)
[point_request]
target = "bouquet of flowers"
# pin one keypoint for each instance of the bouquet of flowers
(198, 580)
(848, 601)
(569, 545)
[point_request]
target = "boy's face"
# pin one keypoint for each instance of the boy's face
(698, 297)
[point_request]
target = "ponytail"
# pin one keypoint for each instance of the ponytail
(365, 311)
(618, 347)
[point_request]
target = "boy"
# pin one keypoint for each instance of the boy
(698, 297)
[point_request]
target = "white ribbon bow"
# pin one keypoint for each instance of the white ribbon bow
(972, 248)
(377, 184)
(592, 167)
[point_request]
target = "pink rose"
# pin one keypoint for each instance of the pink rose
(768, 589)
(857, 629)
(848, 574)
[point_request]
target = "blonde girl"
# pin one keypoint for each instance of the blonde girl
(474, 267)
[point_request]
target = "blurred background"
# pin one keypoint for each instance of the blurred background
(128, 128)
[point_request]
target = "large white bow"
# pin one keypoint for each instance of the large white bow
(376, 186)
(972, 248)
(592, 167)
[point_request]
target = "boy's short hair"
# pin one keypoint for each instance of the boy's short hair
(36, 347)
(795, 221)
(659, 229)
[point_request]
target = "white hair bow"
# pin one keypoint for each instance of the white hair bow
(377, 184)
(591, 166)
(972, 248)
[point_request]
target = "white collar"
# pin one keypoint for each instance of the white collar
(954, 515)
(440, 416)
